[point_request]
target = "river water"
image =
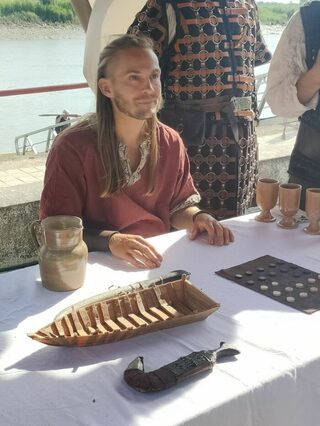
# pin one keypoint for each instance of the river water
(44, 62)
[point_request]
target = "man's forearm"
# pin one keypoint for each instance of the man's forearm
(308, 85)
(97, 239)
(183, 219)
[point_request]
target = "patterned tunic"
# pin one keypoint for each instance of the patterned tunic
(212, 55)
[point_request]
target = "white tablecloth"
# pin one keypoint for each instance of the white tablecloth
(275, 381)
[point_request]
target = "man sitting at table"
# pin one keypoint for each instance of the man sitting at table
(122, 171)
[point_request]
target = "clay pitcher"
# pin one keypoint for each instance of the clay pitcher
(63, 254)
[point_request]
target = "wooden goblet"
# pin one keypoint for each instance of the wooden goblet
(313, 211)
(266, 196)
(289, 200)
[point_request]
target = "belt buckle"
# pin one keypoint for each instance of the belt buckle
(241, 103)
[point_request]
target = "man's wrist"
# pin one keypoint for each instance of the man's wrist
(109, 236)
(97, 239)
(194, 216)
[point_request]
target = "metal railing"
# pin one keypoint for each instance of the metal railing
(42, 89)
(261, 81)
(23, 143)
(27, 144)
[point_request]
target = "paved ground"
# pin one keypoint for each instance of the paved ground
(23, 170)
(276, 140)
(18, 170)
(21, 176)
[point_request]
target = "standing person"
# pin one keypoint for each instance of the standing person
(62, 118)
(124, 173)
(293, 91)
(207, 52)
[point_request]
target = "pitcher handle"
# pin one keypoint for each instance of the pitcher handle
(36, 232)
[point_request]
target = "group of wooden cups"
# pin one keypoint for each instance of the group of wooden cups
(269, 191)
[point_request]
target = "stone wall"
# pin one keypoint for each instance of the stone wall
(16, 245)
(275, 168)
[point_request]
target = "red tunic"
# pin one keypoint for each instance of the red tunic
(73, 184)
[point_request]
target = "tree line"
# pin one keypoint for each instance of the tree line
(37, 12)
(276, 13)
(61, 11)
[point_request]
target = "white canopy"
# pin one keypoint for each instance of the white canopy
(108, 18)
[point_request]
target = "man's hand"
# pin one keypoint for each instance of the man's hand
(217, 233)
(316, 65)
(135, 250)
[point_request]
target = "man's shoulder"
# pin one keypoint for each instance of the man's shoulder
(78, 137)
(168, 134)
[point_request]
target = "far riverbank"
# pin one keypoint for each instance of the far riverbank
(36, 32)
(62, 32)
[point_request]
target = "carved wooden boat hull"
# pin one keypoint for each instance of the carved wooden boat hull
(143, 311)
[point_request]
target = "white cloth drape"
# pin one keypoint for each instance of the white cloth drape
(108, 18)
(274, 381)
(287, 65)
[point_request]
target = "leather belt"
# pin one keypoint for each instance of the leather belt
(232, 107)
(216, 104)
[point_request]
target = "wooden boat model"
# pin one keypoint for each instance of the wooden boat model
(133, 313)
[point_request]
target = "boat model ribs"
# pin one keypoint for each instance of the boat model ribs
(134, 313)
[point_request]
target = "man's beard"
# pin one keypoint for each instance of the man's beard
(134, 111)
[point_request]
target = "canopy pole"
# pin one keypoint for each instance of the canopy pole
(83, 10)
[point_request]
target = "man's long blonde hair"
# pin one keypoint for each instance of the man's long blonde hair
(103, 121)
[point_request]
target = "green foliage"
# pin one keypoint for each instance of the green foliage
(276, 13)
(61, 11)
(19, 18)
(37, 11)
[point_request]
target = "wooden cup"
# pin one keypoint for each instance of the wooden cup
(313, 211)
(289, 200)
(266, 196)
